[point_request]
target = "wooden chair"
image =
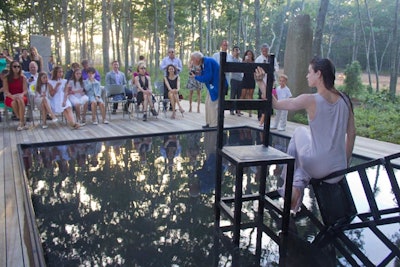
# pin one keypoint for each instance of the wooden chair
(162, 102)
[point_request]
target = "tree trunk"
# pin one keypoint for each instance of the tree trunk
(373, 45)
(355, 44)
(394, 67)
(208, 29)
(240, 21)
(368, 67)
(106, 35)
(126, 31)
(171, 23)
(64, 22)
(257, 23)
(201, 36)
(319, 30)
(281, 30)
(156, 40)
(83, 15)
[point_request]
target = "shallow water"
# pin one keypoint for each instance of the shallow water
(148, 201)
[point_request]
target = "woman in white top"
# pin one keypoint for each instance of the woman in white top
(75, 92)
(42, 98)
(57, 103)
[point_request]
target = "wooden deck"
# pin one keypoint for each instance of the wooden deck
(15, 232)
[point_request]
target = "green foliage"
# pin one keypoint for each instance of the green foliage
(300, 118)
(353, 85)
(377, 117)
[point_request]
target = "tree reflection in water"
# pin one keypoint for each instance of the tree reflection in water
(145, 201)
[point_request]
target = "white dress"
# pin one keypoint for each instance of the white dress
(57, 100)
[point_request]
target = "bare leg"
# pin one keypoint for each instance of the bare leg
(190, 100)
(78, 112)
(94, 111)
(103, 111)
(172, 99)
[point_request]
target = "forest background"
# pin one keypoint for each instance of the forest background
(346, 31)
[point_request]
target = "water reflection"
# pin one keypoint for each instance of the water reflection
(148, 201)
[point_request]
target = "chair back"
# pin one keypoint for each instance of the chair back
(159, 88)
(115, 89)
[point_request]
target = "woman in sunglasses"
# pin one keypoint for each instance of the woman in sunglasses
(15, 89)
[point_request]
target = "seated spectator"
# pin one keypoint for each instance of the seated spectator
(85, 68)
(32, 77)
(42, 98)
(76, 94)
(24, 59)
(171, 88)
(59, 103)
(15, 91)
(145, 94)
(94, 91)
(70, 72)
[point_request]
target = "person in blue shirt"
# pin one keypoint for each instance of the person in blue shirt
(210, 77)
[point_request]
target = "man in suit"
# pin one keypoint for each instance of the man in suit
(115, 76)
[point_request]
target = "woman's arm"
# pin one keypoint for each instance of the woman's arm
(350, 136)
(137, 83)
(178, 83)
(149, 80)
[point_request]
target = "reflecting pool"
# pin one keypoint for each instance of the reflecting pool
(147, 201)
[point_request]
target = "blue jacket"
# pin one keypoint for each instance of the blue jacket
(210, 76)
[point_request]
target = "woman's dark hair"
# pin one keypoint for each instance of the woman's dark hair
(39, 81)
(166, 69)
(10, 75)
(80, 80)
(327, 71)
(252, 55)
(54, 72)
(91, 70)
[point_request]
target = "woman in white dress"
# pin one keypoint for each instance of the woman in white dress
(42, 98)
(76, 94)
(57, 97)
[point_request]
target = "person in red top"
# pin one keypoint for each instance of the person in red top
(15, 90)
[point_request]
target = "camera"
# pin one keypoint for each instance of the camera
(192, 72)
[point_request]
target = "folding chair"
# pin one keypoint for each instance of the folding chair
(162, 102)
(115, 94)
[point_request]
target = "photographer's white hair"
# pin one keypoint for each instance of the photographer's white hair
(197, 54)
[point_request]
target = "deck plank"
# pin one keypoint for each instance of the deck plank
(14, 234)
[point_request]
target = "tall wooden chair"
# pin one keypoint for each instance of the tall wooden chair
(247, 156)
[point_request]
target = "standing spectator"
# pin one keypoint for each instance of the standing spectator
(236, 79)
(57, 101)
(24, 59)
(42, 98)
(248, 82)
(51, 63)
(76, 94)
(115, 76)
(210, 77)
(194, 85)
(327, 145)
(34, 56)
(145, 94)
(171, 59)
(172, 84)
(224, 48)
(70, 72)
(15, 91)
(85, 68)
(6, 55)
(94, 92)
(282, 92)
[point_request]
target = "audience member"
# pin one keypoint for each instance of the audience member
(70, 72)
(34, 56)
(77, 96)
(42, 98)
(171, 89)
(94, 92)
(59, 103)
(248, 82)
(15, 91)
(282, 92)
(51, 63)
(171, 59)
(145, 93)
(24, 59)
(327, 145)
(210, 77)
(85, 68)
(115, 76)
(236, 79)
(194, 85)
(224, 48)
